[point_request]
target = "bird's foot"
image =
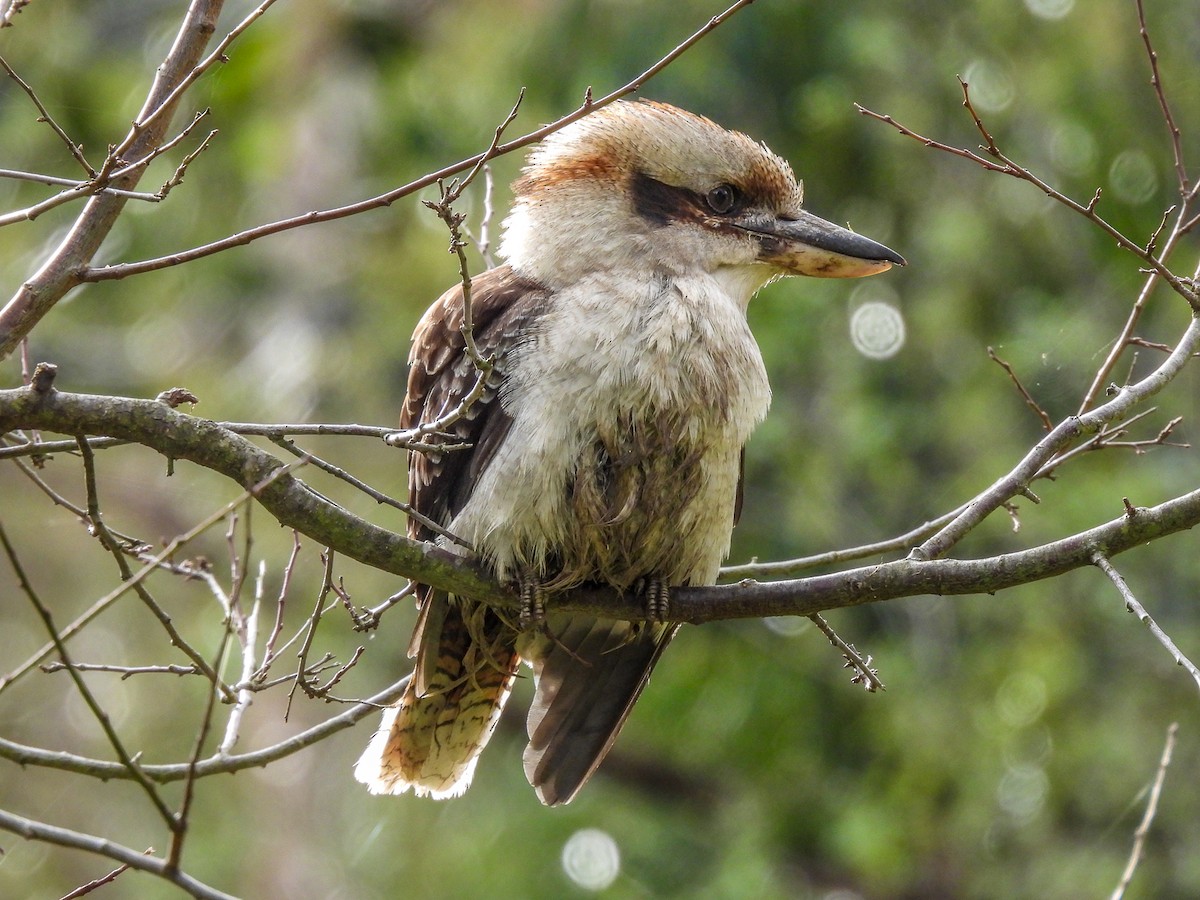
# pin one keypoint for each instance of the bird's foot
(658, 599)
(533, 603)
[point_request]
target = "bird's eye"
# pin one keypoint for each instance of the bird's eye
(722, 199)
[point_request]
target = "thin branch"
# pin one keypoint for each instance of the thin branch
(1007, 166)
(124, 671)
(180, 823)
(128, 543)
(128, 169)
(1143, 829)
(60, 272)
(1160, 93)
(376, 495)
(40, 448)
(246, 629)
(1100, 560)
(62, 837)
(127, 576)
(128, 761)
(76, 150)
(1025, 395)
(177, 176)
(260, 673)
(102, 180)
(58, 181)
(214, 765)
(864, 674)
(375, 613)
(124, 270)
(84, 889)
(301, 679)
(1065, 434)
(792, 567)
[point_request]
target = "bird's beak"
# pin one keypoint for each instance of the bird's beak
(804, 244)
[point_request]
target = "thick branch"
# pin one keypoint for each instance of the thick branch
(287, 498)
(180, 436)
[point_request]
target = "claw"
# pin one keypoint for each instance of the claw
(533, 603)
(658, 599)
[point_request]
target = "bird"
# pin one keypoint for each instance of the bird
(605, 446)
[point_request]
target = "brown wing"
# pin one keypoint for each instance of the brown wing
(504, 306)
(465, 654)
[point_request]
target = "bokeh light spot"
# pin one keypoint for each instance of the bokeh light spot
(1051, 10)
(1072, 148)
(877, 329)
(1021, 699)
(1022, 791)
(1133, 177)
(990, 85)
(787, 626)
(591, 859)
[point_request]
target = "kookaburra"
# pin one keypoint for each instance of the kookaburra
(607, 447)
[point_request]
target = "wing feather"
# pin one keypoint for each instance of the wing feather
(504, 307)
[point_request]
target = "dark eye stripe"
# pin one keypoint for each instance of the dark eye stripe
(662, 203)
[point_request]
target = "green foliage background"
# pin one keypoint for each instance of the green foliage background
(1009, 755)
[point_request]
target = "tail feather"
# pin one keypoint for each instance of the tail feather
(430, 740)
(588, 678)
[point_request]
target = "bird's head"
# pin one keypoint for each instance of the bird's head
(643, 185)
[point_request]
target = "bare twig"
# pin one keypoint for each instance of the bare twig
(85, 889)
(214, 765)
(792, 567)
(180, 826)
(176, 178)
(127, 576)
(1066, 434)
(246, 630)
(59, 181)
(128, 169)
(1132, 604)
(1025, 395)
(260, 674)
(314, 620)
(1139, 836)
(60, 272)
(376, 495)
(864, 673)
(123, 671)
(1160, 93)
(101, 181)
(76, 150)
(1007, 166)
(128, 761)
(374, 614)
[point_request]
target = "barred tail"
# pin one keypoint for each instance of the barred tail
(431, 739)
